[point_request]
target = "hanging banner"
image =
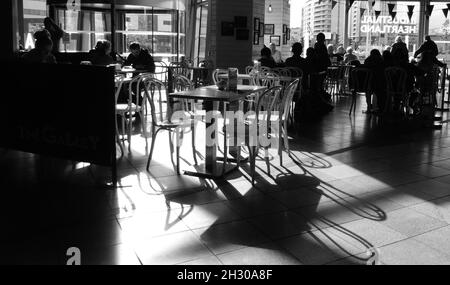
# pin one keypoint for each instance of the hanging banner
(377, 14)
(430, 10)
(410, 14)
(391, 8)
(411, 8)
(333, 3)
(445, 11)
(362, 11)
(393, 14)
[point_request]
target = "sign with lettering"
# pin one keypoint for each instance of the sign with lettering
(65, 111)
(387, 25)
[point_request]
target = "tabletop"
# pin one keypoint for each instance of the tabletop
(212, 93)
(134, 71)
(249, 77)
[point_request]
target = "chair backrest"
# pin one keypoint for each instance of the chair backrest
(282, 71)
(248, 69)
(265, 69)
(288, 96)
(118, 79)
(182, 83)
(333, 73)
(216, 74)
(153, 90)
(268, 79)
(430, 84)
(361, 79)
(268, 103)
(295, 72)
(395, 81)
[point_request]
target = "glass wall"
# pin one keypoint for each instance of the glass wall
(439, 30)
(33, 14)
(84, 28)
(201, 31)
(371, 31)
(162, 32)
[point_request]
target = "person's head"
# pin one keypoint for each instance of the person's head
(427, 38)
(297, 49)
(103, 47)
(44, 44)
(47, 22)
(44, 33)
(350, 50)
(330, 49)
(340, 50)
(310, 52)
(273, 47)
(399, 39)
(320, 37)
(375, 53)
(135, 48)
(388, 48)
(266, 52)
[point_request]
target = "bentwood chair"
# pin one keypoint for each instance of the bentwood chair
(119, 83)
(136, 105)
(361, 81)
(396, 89)
(174, 126)
(258, 126)
(217, 73)
(285, 113)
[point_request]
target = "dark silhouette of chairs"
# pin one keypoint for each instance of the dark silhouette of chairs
(361, 79)
(396, 89)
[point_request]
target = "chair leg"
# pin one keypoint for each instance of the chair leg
(194, 151)
(177, 141)
(154, 134)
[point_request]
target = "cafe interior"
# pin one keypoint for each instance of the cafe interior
(215, 153)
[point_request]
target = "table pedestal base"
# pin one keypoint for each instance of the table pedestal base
(202, 172)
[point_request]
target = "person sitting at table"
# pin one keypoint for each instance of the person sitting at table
(349, 56)
(101, 54)
(298, 61)
(334, 57)
(388, 59)
(42, 53)
(400, 51)
(376, 65)
(140, 58)
(276, 54)
(266, 58)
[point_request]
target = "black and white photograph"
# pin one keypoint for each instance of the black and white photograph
(269, 29)
(250, 138)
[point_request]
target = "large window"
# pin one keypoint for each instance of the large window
(31, 20)
(160, 31)
(201, 31)
(439, 30)
(84, 28)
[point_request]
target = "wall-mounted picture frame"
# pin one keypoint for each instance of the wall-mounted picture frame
(284, 39)
(242, 34)
(227, 29)
(275, 40)
(261, 29)
(240, 22)
(285, 27)
(256, 26)
(269, 29)
(288, 34)
(256, 38)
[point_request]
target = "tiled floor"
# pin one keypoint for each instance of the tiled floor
(355, 187)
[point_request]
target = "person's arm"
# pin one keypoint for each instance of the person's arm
(419, 51)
